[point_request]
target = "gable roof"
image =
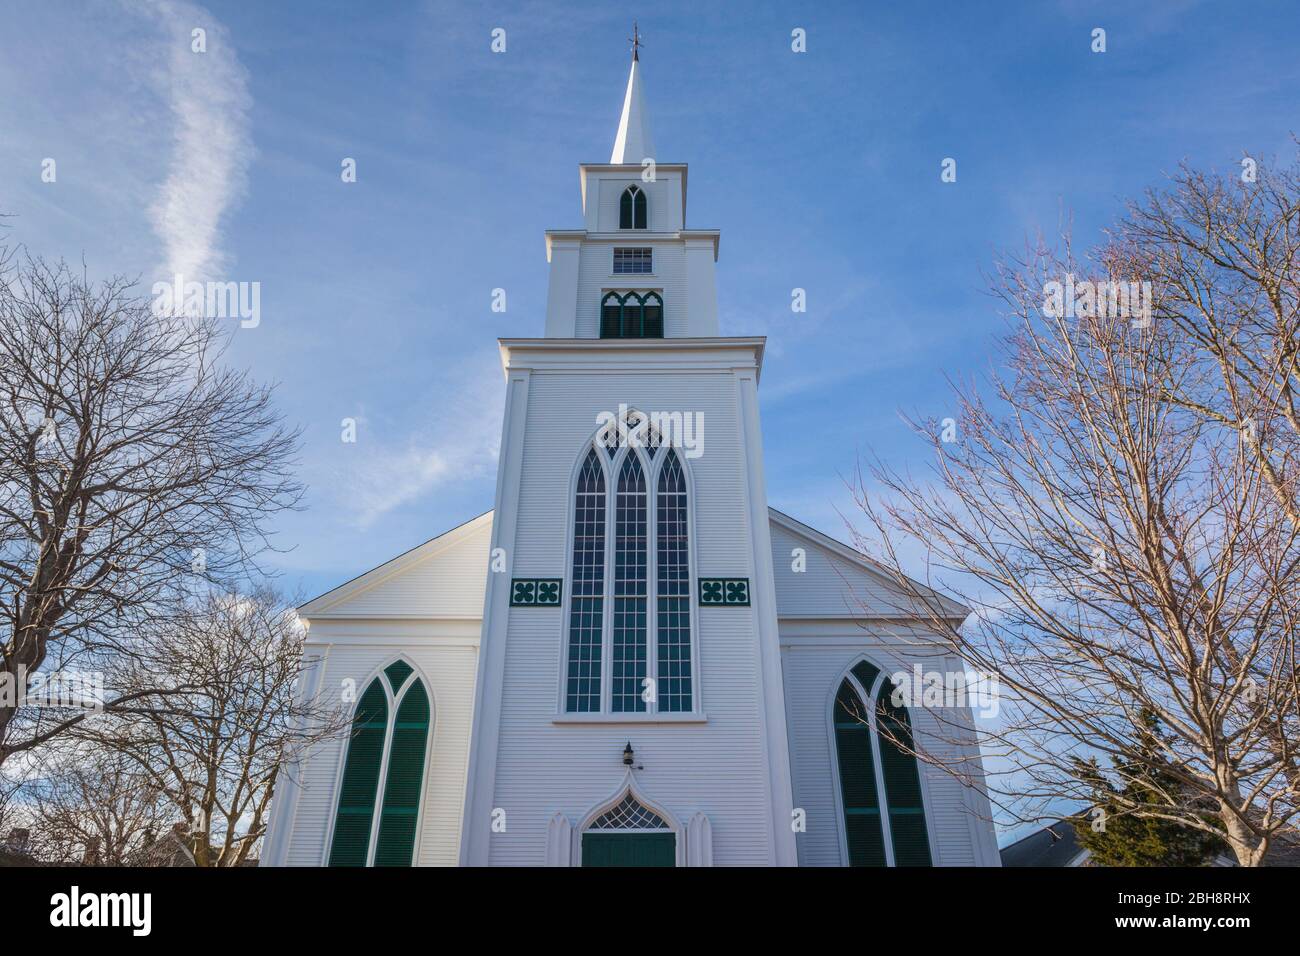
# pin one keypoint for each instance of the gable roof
(952, 609)
(1056, 844)
(323, 603)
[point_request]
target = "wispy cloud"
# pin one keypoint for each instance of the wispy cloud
(211, 146)
(459, 443)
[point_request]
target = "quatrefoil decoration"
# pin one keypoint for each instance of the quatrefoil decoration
(535, 592)
(725, 591)
(738, 592)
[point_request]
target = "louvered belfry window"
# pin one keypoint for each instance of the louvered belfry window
(632, 208)
(375, 823)
(632, 315)
(880, 784)
(629, 643)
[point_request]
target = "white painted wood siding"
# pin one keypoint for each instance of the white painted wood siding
(445, 655)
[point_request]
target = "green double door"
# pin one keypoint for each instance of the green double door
(629, 849)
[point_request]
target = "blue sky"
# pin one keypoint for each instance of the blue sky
(821, 169)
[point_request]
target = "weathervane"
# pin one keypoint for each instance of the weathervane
(635, 40)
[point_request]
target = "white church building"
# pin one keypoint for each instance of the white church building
(632, 659)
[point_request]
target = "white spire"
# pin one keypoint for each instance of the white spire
(633, 142)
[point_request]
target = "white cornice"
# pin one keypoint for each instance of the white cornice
(641, 236)
(632, 355)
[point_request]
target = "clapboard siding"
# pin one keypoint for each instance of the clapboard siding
(663, 201)
(830, 586)
(814, 660)
(354, 652)
(446, 581)
(596, 277)
(718, 767)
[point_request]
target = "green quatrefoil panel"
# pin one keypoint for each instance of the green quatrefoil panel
(724, 592)
(535, 592)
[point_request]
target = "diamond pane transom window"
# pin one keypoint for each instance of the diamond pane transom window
(586, 612)
(633, 261)
(629, 815)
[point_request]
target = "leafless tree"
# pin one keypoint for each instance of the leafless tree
(133, 463)
(94, 806)
(216, 749)
(1118, 513)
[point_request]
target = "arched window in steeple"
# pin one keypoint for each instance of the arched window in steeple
(631, 208)
(880, 784)
(631, 315)
(390, 738)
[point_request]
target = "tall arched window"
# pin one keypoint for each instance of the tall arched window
(631, 208)
(880, 784)
(587, 601)
(641, 639)
(394, 749)
(674, 588)
(628, 659)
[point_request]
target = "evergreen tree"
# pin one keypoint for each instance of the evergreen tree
(1128, 831)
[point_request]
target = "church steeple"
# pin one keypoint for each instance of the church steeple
(633, 142)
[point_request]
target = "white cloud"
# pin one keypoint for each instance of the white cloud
(459, 443)
(211, 145)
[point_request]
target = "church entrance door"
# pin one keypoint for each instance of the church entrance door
(629, 849)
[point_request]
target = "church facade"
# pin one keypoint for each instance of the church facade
(632, 659)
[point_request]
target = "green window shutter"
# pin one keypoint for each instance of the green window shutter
(397, 672)
(634, 316)
(625, 210)
(902, 783)
(866, 674)
(611, 316)
(857, 780)
(639, 205)
(403, 784)
(351, 843)
(653, 311)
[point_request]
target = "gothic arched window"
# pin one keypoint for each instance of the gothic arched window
(880, 784)
(631, 208)
(674, 588)
(640, 640)
(396, 748)
(628, 658)
(631, 315)
(587, 603)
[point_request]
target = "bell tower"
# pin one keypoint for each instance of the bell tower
(634, 270)
(631, 605)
